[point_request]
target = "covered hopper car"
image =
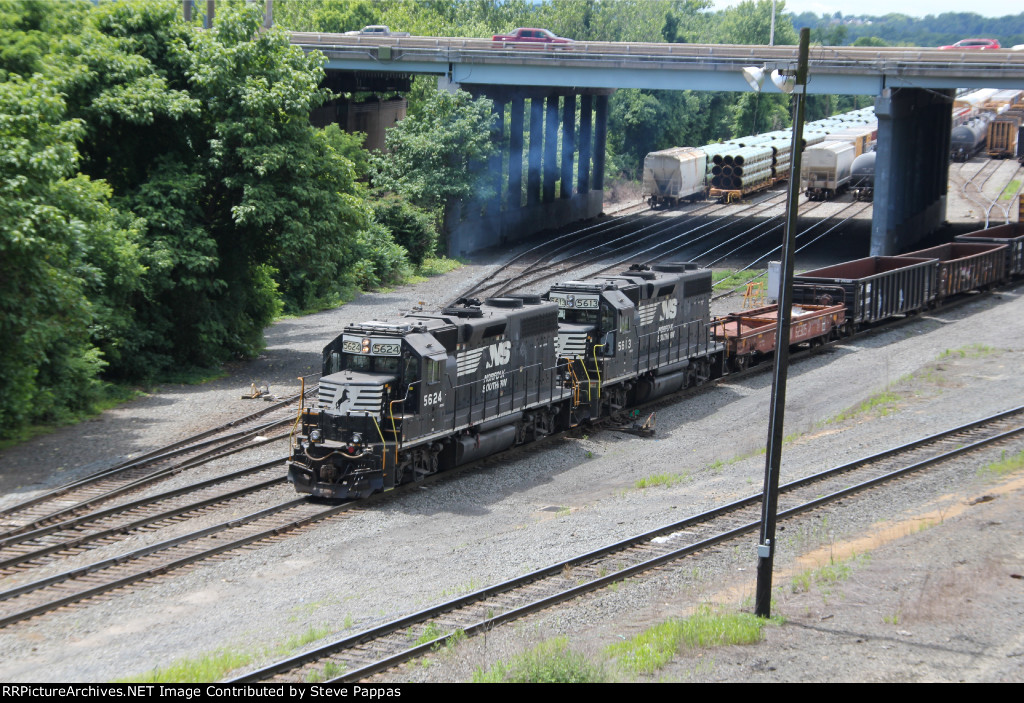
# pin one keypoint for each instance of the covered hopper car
(827, 169)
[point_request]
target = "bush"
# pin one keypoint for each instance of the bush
(379, 260)
(410, 226)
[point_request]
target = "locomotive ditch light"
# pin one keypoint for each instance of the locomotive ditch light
(315, 436)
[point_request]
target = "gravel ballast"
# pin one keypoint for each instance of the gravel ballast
(579, 492)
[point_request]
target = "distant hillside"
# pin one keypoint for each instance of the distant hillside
(900, 30)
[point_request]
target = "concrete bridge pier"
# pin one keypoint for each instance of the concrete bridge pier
(911, 167)
(558, 135)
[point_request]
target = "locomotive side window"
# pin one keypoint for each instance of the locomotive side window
(432, 371)
(607, 317)
(411, 370)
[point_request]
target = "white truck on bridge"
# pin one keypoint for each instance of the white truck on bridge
(376, 30)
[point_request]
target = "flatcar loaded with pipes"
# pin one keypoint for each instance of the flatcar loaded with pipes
(400, 400)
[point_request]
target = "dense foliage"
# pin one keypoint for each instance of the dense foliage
(163, 196)
(434, 154)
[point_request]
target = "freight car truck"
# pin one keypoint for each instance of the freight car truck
(826, 169)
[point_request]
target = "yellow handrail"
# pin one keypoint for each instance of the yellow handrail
(597, 368)
(298, 418)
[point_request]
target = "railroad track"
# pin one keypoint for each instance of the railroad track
(972, 187)
(48, 594)
(382, 647)
(89, 493)
(79, 535)
(648, 242)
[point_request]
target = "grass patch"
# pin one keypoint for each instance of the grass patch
(665, 479)
(1010, 191)
(213, 667)
(331, 670)
(1005, 465)
(298, 641)
(656, 646)
(207, 668)
(971, 351)
(827, 575)
(430, 633)
(728, 280)
(880, 403)
(438, 266)
(549, 662)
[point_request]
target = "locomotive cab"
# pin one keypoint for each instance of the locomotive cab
(380, 381)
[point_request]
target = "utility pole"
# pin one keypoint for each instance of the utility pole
(773, 456)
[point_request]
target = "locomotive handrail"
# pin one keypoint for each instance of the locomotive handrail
(597, 368)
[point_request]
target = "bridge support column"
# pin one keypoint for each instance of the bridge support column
(568, 144)
(586, 119)
(600, 137)
(495, 170)
(550, 199)
(515, 154)
(911, 167)
(550, 149)
(536, 150)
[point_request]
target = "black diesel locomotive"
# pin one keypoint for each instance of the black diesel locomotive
(401, 400)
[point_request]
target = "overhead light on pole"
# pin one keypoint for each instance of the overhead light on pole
(754, 75)
(780, 370)
(784, 80)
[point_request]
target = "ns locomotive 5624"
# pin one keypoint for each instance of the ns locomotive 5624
(401, 400)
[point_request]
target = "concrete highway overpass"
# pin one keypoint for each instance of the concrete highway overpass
(913, 89)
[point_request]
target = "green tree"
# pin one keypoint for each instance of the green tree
(750, 22)
(205, 136)
(433, 155)
(65, 262)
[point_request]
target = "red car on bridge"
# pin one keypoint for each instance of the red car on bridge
(532, 35)
(973, 44)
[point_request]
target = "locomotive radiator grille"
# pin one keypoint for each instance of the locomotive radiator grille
(351, 400)
(572, 345)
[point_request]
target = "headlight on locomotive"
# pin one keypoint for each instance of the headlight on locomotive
(315, 437)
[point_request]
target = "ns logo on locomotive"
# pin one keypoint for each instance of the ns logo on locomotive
(401, 400)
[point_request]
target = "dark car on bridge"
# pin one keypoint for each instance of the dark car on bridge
(970, 44)
(532, 35)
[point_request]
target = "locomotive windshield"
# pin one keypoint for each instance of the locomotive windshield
(577, 308)
(378, 364)
(578, 317)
